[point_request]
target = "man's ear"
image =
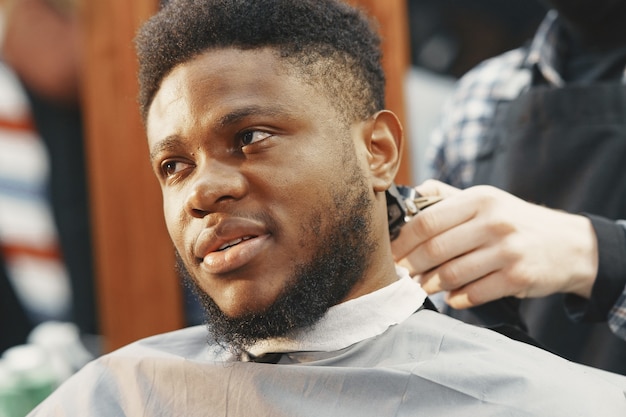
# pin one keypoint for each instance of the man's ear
(384, 146)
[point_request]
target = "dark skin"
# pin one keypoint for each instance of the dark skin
(245, 164)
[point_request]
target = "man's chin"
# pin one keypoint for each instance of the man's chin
(239, 312)
(243, 298)
(238, 326)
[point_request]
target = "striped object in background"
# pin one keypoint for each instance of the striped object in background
(28, 236)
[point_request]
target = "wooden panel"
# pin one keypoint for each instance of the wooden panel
(392, 16)
(137, 289)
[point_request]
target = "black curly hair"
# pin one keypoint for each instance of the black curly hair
(330, 44)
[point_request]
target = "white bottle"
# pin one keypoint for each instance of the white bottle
(62, 342)
(31, 370)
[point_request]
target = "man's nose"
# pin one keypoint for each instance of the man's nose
(215, 183)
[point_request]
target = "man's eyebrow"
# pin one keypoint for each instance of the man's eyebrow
(254, 110)
(172, 142)
(169, 143)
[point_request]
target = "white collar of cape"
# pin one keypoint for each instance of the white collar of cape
(354, 320)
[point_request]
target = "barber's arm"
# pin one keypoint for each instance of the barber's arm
(482, 244)
(608, 296)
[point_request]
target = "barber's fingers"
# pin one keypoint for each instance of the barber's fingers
(448, 241)
(433, 188)
(489, 288)
(461, 271)
(433, 221)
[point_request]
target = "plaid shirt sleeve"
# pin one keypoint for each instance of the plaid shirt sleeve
(617, 315)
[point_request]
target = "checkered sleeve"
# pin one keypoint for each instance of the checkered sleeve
(617, 315)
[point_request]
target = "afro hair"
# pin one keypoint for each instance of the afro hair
(330, 44)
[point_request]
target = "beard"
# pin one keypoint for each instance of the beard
(342, 245)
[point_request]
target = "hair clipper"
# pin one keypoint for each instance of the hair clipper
(402, 204)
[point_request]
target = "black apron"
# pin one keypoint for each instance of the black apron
(563, 148)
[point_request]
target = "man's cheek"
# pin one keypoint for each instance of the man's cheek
(174, 226)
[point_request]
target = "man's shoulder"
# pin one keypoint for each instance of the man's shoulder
(427, 362)
(445, 335)
(120, 382)
(485, 364)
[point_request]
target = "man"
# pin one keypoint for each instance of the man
(544, 122)
(268, 135)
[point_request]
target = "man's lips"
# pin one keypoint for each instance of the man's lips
(230, 244)
(234, 242)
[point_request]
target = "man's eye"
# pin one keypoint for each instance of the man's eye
(253, 136)
(170, 168)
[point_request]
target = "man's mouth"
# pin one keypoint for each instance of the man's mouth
(233, 242)
(230, 244)
(235, 253)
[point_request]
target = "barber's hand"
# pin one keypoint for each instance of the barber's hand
(482, 244)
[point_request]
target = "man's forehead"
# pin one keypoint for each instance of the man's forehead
(257, 78)
(212, 66)
(224, 86)
(222, 66)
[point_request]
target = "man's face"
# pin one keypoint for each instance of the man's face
(258, 173)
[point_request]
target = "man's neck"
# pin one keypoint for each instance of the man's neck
(352, 321)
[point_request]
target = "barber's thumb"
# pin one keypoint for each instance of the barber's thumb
(432, 188)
